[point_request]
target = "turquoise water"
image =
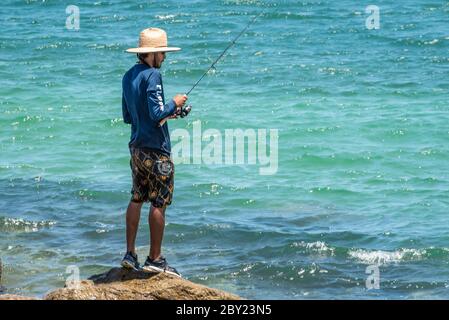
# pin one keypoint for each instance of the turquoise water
(363, 145)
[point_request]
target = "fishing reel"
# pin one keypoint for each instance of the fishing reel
(184, 111)
(180, 112)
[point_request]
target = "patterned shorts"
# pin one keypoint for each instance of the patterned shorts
(153, 177)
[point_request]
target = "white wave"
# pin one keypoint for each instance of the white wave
(165, 17)
(434, 41)
(21, 225)
(386, 257)
(102, 227)
(317, 246)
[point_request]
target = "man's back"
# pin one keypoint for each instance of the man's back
(143, 106)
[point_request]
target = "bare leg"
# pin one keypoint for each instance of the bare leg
(132, 224)
(156, 220)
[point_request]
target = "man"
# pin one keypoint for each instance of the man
(143, 106)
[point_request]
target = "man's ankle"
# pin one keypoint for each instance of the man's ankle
(132, 252)
(154, 256)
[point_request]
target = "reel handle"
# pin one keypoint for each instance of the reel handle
(184, 112)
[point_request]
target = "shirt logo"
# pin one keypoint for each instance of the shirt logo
(159, 97)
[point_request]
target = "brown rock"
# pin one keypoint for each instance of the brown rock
(15, 297)
(121, 284)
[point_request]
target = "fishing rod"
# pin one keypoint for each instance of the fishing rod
(185, 111)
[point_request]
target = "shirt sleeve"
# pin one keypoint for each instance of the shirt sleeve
(156, 107)
(126, 115)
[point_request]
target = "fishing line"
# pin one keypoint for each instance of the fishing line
(225, 50)
(185, 111)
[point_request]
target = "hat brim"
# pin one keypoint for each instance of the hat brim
(152, 49)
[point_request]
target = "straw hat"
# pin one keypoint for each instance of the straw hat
(152, 40)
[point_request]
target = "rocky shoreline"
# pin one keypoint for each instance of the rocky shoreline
(122, 284)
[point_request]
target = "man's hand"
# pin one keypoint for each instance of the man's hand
(176, 114)
(180, 100)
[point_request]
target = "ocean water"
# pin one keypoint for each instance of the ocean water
(363, 155)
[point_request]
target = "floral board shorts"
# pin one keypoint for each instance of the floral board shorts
(153, 177)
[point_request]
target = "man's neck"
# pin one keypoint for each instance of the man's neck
(149, 65)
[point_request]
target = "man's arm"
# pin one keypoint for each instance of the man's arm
(126, 115)
(156, 107)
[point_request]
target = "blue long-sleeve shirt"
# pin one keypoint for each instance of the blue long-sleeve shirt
(143, 106)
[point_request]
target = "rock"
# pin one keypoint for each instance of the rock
(15, 297)
(122, 284)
